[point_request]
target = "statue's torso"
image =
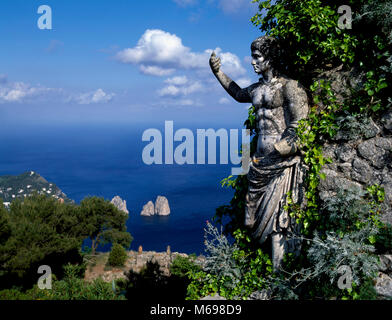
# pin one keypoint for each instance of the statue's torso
(268, 99)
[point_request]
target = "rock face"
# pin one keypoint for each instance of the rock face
(384, 285)
(148, 209)
(120, 204)
(384, 281)
(162, 206)
(361, 162)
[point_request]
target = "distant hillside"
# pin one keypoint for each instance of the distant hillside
(19, 187)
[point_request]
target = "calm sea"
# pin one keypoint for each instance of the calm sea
(106, 161)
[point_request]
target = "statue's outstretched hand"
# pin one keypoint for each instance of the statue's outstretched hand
(215, 63)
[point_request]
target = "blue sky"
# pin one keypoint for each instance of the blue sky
(123, 61)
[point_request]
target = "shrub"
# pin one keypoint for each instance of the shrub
(182, 265)
(70, 288)
(234, 271)
(117, 256)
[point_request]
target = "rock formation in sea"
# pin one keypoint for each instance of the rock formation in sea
(162, 206)
(120, 204)
(148, 209)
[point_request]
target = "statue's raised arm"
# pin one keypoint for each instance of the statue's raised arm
(233, 89)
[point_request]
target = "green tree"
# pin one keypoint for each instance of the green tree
(5, 232)
(117, 256)
(38, 230)
(104, 223)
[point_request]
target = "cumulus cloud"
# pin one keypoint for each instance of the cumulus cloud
(183, 89)
(20, 91)
(161, 53)
(98, 96)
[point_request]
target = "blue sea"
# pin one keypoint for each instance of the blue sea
(106, 160)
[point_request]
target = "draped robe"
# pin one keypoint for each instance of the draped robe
(275, 172)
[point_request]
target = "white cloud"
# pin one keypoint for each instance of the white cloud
(185, 3)
(186, 102)
(98, 96)
(231, 64)
(161, 53)
(20, 91)
(156, 71)
(17, 92)
(169, 91)
(224, 100)
(177, 81)
(184, 90)
(244, 82)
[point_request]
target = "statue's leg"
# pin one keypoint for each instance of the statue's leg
(278, 250)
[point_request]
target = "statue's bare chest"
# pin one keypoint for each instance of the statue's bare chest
(267, 96)
(268, 100)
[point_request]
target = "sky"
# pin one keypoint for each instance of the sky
(123, 62)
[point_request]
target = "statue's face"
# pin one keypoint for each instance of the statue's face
(259, 62)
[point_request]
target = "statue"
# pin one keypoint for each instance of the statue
(276, 168)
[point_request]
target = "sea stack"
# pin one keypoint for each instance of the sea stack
(120, 204)
(162, 206)
(148, 209)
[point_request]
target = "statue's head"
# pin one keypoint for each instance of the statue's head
(266, 55)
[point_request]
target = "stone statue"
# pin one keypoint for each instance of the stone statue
(276, 168)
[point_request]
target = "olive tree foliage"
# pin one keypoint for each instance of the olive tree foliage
(104, 223)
